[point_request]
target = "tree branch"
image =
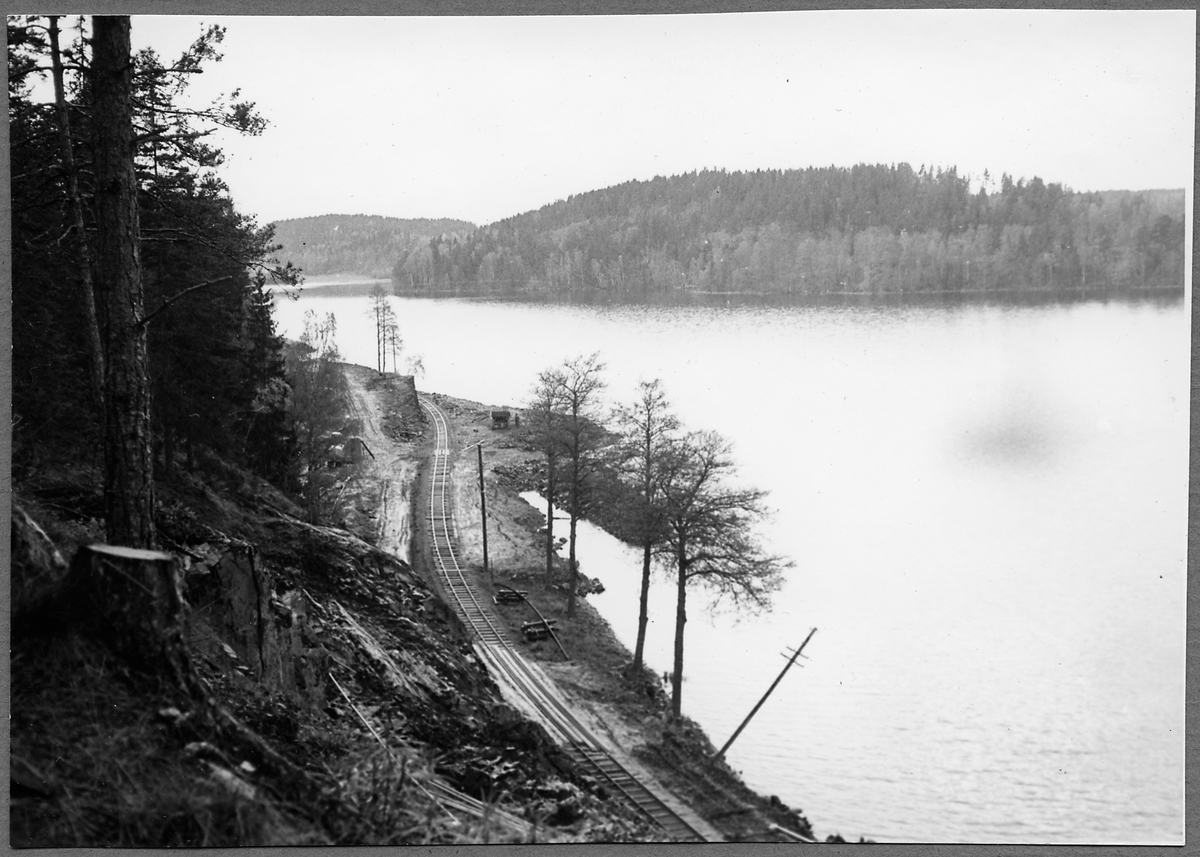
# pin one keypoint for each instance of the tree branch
(69, 65)
(171, 300)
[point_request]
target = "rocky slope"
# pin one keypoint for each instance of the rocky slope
(320, 692)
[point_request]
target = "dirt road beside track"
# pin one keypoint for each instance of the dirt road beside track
(387, 476)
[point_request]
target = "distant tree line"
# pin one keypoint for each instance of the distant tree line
(873, 229)
(358, 243)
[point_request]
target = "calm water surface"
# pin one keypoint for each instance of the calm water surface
(987, 507)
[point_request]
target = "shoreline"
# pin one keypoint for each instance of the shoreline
(630, 710)
(1016, 295)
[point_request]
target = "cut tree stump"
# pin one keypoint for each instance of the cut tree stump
(132, 600)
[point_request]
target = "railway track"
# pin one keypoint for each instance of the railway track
(600, 765)
(579, 743)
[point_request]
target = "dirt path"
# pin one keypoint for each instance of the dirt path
(388, 475)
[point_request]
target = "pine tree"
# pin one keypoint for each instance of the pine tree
(129, 472)
(197, 253)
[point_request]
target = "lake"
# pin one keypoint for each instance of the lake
(986, 503)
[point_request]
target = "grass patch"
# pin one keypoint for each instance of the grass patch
(105, 770)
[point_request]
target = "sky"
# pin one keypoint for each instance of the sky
(482, 118)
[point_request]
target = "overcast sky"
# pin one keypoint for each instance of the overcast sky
(483, 118)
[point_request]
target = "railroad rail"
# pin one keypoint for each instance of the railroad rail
(600, 765)
(579, 743)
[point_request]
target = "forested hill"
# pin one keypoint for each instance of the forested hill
(865, 229)
(357, 243)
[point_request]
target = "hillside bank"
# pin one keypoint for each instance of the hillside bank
(264, 681)
(326, 693)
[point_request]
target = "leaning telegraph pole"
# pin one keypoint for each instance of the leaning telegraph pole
(754, 710)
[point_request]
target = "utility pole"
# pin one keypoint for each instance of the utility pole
(754, 710)
(483, 512)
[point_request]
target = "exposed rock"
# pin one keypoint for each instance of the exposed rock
(233, 592)
(417, 681)
(232, 783)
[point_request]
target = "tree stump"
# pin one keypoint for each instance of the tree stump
(132, 600)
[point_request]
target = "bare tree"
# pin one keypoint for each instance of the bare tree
(708, 538)
(129, 477)
(648, 427)
(395, 343)
(545, 424)
(380, 310)
(579, 392)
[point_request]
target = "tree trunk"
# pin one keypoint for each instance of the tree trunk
(91, 327)
(168, 452)
(680, 621)
(550, 486)
(648, 462)
(571, 566)
(129, 482)
(643, 608)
